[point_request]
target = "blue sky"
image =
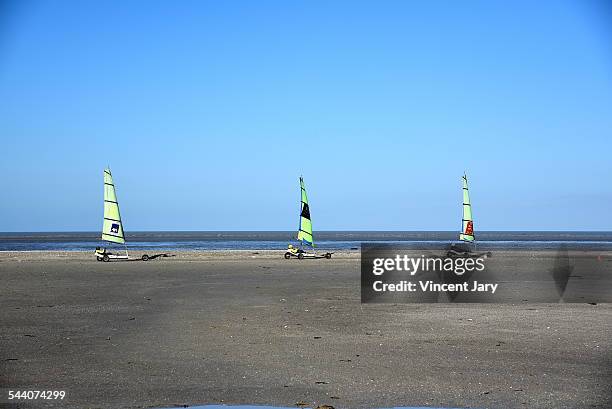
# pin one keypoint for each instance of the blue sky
(209, 111)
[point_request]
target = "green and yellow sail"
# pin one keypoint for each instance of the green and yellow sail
(305, 229)
(112, 228)
(467, 224)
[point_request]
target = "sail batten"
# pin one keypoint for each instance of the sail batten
(305, 228)
(467, 223)
(112, 227)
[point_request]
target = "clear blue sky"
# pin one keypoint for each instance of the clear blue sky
(209, 111)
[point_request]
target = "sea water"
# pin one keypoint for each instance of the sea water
(325, 240)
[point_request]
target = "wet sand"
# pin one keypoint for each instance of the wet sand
(244, 328)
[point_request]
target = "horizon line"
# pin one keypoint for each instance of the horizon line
(318, 231)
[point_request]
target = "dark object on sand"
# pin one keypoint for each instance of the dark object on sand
(146, 257)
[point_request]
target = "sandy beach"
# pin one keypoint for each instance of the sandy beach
(252, 328)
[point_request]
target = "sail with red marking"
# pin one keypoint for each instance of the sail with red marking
(467, 223)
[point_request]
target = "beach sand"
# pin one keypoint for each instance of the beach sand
(245, 328)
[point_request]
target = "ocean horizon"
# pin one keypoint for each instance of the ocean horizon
(278, 240)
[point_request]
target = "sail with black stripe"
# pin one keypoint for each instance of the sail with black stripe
(305, 229)
(467, 224)
(112, 227)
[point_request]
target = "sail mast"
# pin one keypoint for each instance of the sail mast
(305, 228)
(467, 224)
(112, 227)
